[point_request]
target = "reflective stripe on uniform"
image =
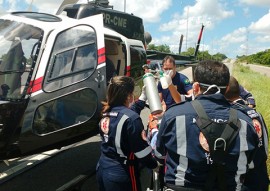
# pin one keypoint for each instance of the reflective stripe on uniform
(118, 135)
(144, 152)
(132, 173)
(265, 140)
(181, 150)
(158, 155)
(242, 160)
(265, 136)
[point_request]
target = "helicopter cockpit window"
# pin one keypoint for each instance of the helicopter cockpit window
(138, 59)
(16, 61)
(73, 59)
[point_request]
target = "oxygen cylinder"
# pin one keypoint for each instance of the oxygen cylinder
(152, 93)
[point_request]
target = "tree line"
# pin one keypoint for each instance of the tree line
(202, 55)
(262, 57)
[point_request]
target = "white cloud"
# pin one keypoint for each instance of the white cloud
(149, 11)
(2, 11)
(204, 11)
(263, 39)
(241, 42)
(12, 5)
(48, 6)
(208, 12)
(262, 26)
(231, 44)
(213, 9)
(262, 3)
(237, 36)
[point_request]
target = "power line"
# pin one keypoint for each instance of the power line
(247, 42)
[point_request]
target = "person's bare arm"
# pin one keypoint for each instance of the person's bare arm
(175, 94)
(190, 92)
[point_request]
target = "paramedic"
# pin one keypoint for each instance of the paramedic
(123, 138)
(178, 83)
(192, 163)
(257, 176)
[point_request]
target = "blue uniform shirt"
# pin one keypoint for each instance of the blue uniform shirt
(123, 143)
(247, 96)
(123, 136)
(187, 159)
(257, 176)
(183, 86)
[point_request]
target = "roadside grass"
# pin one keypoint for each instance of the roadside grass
(258, 85)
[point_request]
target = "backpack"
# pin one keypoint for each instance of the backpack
(220, 137)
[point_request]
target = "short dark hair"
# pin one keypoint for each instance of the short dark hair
(211, 72)
(170, 58)
(233, 91)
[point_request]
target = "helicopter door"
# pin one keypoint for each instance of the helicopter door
(136, 59)
(70, 84)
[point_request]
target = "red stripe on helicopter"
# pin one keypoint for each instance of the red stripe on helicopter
(101, 55)
(36, 85)
(128, 71)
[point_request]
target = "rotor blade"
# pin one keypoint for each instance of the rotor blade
(66, 2)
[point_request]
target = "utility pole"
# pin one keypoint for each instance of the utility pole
(124, 6)
(187, 27)
(247, 43)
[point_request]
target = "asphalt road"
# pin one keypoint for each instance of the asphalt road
(56, 171)
(264, 70)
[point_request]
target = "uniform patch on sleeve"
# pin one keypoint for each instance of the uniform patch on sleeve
(252, 114)
(110, 114)
(187, 81)
(104, 125)
(258, 127)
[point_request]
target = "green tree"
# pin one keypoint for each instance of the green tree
(202, 55)
(219, 57)
(190, 51)
(161, 48)
(262, 58)
(151, 47)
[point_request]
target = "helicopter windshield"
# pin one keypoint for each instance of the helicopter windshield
(18, 50)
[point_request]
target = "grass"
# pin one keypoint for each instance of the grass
(258, 85)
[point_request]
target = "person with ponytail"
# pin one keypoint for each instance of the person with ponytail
(123, 139)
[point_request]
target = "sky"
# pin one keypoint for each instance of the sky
(232, 27)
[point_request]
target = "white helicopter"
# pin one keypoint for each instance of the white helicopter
(53, 72)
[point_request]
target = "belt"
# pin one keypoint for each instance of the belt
(180, 188)
(122, 160)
